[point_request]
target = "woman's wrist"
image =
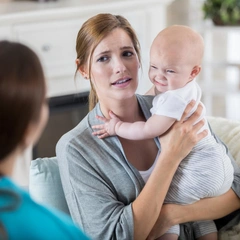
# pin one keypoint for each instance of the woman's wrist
(176, 214)
(170, 158)
(117, 126)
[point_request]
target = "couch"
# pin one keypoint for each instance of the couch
(45, 183)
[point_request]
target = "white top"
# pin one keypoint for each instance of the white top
(172, 103)
(146, 174)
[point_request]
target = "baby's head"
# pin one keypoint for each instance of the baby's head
(23, 108)
(175, 57)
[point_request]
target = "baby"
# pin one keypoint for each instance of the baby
(175, 60)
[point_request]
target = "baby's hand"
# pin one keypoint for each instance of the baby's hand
(108, 128)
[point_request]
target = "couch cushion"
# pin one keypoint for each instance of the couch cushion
(229, 132)
(45, 184)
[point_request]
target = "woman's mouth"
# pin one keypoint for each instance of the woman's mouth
(122, 81)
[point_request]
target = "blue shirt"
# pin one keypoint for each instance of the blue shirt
(22, 218)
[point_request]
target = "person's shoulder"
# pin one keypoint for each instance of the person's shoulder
(11, 195)
(81, 129)
(57, 223)
(80, 137)
(145, 102)
(51, 222)
(145, 99)
(6, 182)
(39, 221)
(11, 189)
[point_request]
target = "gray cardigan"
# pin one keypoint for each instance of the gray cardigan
(100, 184)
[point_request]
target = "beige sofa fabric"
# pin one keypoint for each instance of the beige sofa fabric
(229, 132)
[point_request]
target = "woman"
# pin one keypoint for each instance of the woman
(23, 115)
(105, 192)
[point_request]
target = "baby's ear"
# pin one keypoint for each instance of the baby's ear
(195, 71)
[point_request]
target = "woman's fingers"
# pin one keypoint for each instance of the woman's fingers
(195, 116)
(184, 134)
(197, 126)
(202, 135)
(187, 110)
(195, 123)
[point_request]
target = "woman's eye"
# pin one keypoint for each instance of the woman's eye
(103, 59)
(127, 54)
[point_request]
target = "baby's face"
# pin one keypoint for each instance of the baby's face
(175, 57)
(170, 67)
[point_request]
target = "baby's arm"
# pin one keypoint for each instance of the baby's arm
(153, 127)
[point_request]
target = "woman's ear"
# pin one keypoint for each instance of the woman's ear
(195, 71)
(81, 69)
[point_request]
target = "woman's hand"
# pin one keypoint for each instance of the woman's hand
(183, 135)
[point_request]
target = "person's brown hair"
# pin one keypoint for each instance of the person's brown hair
(91, 34)
(22, 92)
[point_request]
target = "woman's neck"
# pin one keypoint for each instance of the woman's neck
(127, 110)
(7, 164)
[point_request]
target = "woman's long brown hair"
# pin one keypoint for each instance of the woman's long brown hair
(22, 92)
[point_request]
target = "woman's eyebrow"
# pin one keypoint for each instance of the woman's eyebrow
(102, 53)
(127, 47)
(108, 51)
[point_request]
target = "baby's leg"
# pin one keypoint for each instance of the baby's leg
(205, 230)
(171, 234)
(168, 236)
(210, 236)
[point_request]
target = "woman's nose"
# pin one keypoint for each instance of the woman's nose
(119, 66)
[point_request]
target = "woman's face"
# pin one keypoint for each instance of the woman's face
(115, 64)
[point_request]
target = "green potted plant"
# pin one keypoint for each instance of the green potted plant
(222, 12)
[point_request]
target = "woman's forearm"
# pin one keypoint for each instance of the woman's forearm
(207, 209)
(147, 206)
(175, 145)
